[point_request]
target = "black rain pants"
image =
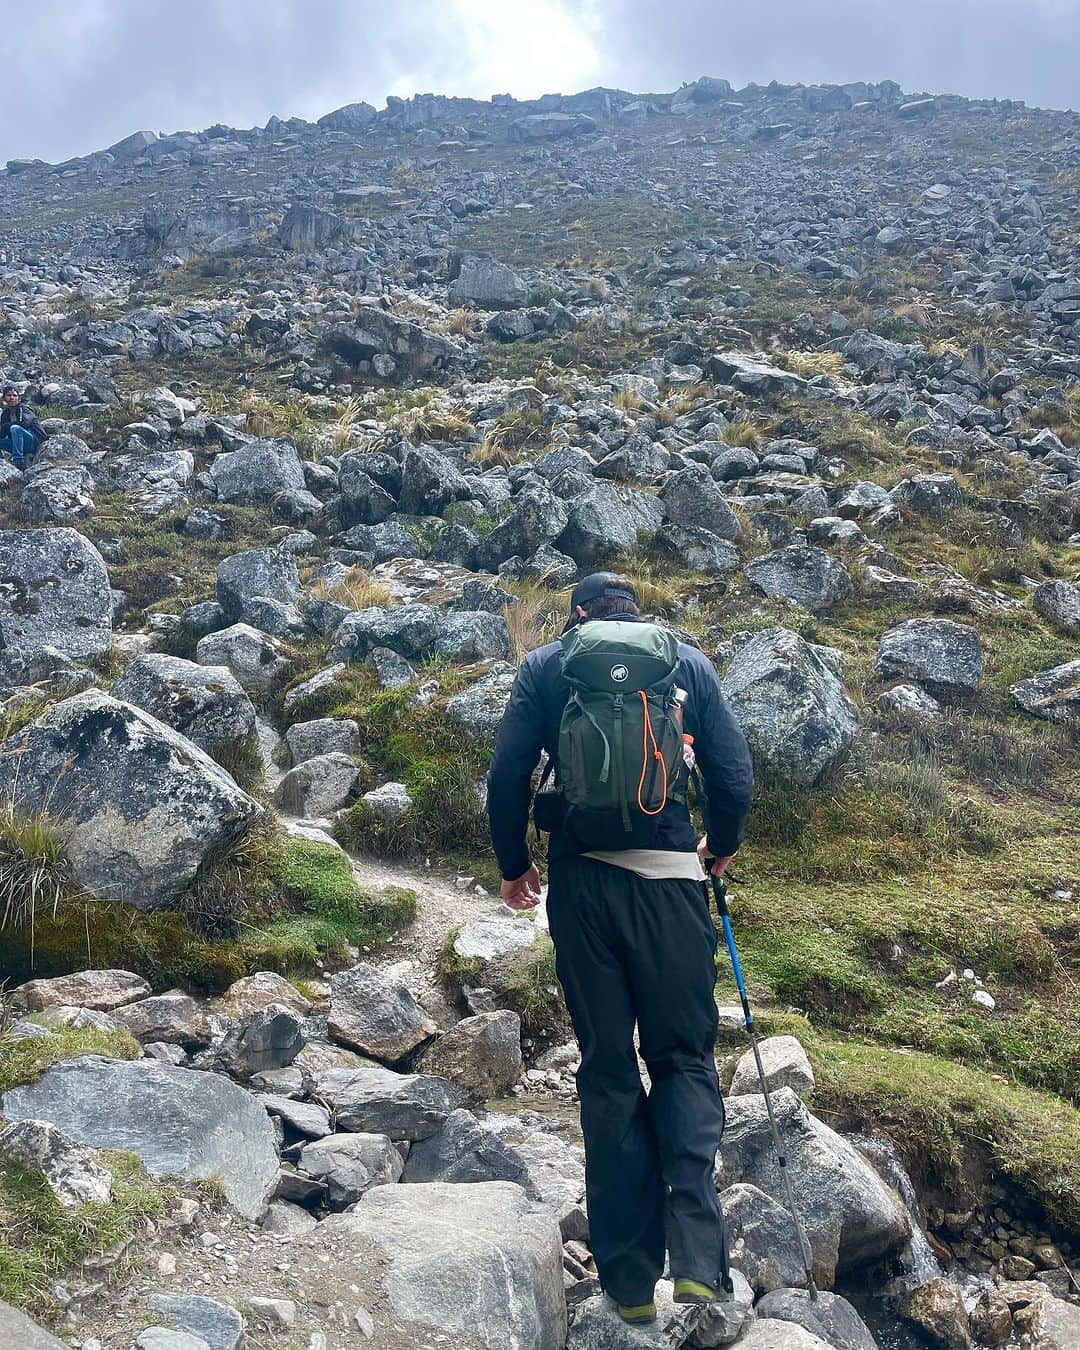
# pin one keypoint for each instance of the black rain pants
(630, 950)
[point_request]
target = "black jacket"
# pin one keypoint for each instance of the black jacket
(531, 724)
(22, 417)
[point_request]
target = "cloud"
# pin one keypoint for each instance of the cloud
(88, 72)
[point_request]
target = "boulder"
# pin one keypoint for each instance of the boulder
(480, 1265)
(472, 635)
(258, 661)
(101, 990)
(938, 1308)
(692, 498)
(253, 992)
(322, 736)
(179, 1121)
(604, 520)
(372, 1014)
(699, 550)
(429, 482)
(174, 1018)
(942, 656)
(762, 1239)
(1052, 694)
(410, 630)
(769, 1333)
(785, 1063)
(935, 495)
(258, 574)
(137, 806)
(379, 1101)
(57, 494)
(73, 1172)
(376, 333)
(257, 472)
(489, 284)
(204, 703)
(753, 374)
(538, 518)
(829, 1317)
(318, 786)
(803, 574)
(478, 710)
(598, 1326)
(269, 1038)
(204, 1319)
(307, 1119)
(787, 696)
(54, 591)
(305, 229)
(466, 1150)
(1059, 602)
(481, 1054)
(351, 1164)
(18, 1332)
(850, 1215)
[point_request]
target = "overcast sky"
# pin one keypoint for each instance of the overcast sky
(80, 74)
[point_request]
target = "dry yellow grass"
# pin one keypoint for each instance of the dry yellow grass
(356, 590)
(435, 422)
(460, 321)
(744, 434)
(809, 364)
(537, 615)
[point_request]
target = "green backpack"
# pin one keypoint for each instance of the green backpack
(621, 750)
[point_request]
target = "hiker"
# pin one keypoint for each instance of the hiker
(628, 914)
(20, 432)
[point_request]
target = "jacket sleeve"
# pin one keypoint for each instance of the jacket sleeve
(723, 758)
(34, 427)
(517, 752)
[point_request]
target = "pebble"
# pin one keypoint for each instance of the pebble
(365, 1323)
(984, 1000)
(273, 1312)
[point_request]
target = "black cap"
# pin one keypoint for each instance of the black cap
(593, 587)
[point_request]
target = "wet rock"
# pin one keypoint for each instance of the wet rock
(269, 1038)
(74, 1174)
(1051, 694)
(101, 990)
(851, 1216)
(138, 806)
(54, 591)
(204, 703)
(805, 575)
(991, 1319)
(179, 1121)
(785, 1063)
(762, 1239)
(351, 1164)
(787, 696)
(379, 1101)
(481, 1263)
(369, 1013)
(942, 656)
(829, 1316)
(481, 1054)
(938, 1307)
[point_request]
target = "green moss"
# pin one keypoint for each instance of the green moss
(532, 990)
(26, 1059)
(40, 1239)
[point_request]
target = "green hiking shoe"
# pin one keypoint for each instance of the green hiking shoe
(637, 1315)
(690, 1291)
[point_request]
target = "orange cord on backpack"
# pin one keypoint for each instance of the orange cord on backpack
(647, 735)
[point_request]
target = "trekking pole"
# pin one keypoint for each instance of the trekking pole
(720, 892)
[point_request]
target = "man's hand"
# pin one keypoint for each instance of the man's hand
(717, 866)
(524, 892)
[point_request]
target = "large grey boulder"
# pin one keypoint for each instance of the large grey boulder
(481, 1265)
(137, 806)
(850, 1215)
(372, 1014)
(62, 493)
(54, 591)
(260, 573)
(466, 1150)
(409, 630)
(692, 499)
(479, 709)
(318, 786)
(376, 333)
(753, 374)
(74, 1173)
(350, 1164)
(204, 703)
(472, 635)
(762, 1239)
(352, 117)
(179, 1121)
(174, 1018)
(538, 517)
(364, 500)
(605, 520)
(18, 1332)
(801, 573)
(304, 229)
(829, 1316)
(258, 661)
(785, 1063)
(269, 1038)
(1058, 601)
(1053, 694)
(942, 656)
(699, 550)
(491, 285)
(788, 698)
(257, 472)
(429, 482)
(379, 1101)
(935, 495)
(322, 736)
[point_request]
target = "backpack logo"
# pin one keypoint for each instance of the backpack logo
(619, 674)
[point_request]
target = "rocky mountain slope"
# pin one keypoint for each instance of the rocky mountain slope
(337, 413)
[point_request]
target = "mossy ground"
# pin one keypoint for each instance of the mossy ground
(40, 1239)
(24, 1060)
(270, 903)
